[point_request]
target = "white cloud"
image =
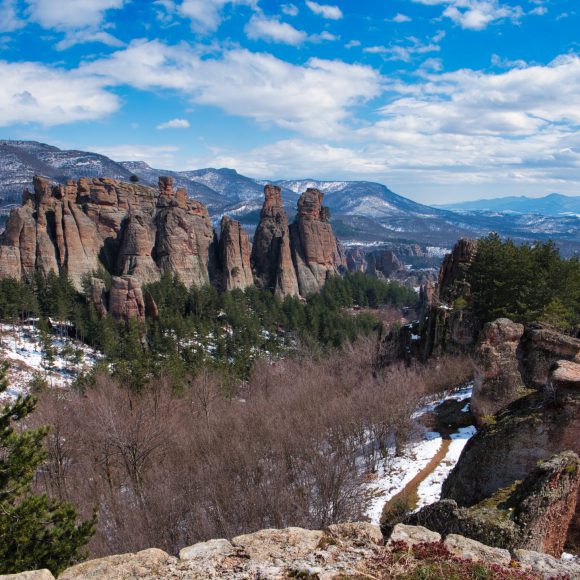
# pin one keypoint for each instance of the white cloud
(85, 37)
(62, 15)
(323, 36)
(476, 14)
(261, 27)
(325, 10)
(352, 44)
(290, 9)
(314, 98)
(400, 18)
(174, 124)
(35, 93)
(406, 51)
(206, 15)
(9, 18)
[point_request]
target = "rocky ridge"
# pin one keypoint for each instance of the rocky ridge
(353, 550)
(137, 233)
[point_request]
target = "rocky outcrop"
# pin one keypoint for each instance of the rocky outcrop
(353, 550)
(383, 264)
(271, 255)
(234, 250)
(447, 322)
(126, 301)
(316, 253)
(498, 381)
(541, 347)
(507, 448)
(137, 234)
(533, 515)
(453, 273)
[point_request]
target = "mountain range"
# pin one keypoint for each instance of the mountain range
(553, 204)
(362, 213)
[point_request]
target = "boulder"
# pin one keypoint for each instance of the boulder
(541, 346)
(472, 550)
(32, 575)
(498, 381)
(273, 544)
(151, 563)
(564, 376)
(412, 534)
(357, 533)
(545, 565)
(212, 549)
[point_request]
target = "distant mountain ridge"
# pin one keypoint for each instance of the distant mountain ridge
(553, 204)
(362, 212)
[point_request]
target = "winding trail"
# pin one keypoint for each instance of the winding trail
(409, 494)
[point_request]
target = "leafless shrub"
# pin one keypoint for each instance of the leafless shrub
(290, 447)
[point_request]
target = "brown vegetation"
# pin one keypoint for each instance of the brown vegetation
(289, 447)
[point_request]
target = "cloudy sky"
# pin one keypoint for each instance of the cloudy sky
(441, 100)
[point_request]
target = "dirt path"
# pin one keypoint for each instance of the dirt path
(408, 497)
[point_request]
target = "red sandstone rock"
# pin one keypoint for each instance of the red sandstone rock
(126, 300)
(234, 248)
(498, 379)
(271, 256)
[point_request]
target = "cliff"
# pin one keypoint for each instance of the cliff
(137, 233)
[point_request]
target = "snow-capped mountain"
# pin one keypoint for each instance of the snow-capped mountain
(554, 204)
(21, 160)
(362, 212)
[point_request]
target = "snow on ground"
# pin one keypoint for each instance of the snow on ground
(429, 490)
(397, 472)
(20, 346)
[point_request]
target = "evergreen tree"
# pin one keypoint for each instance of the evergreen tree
(35, 531)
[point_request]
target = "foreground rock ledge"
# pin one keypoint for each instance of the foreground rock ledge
(339, 552)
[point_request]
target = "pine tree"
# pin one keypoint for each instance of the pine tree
(35, 531)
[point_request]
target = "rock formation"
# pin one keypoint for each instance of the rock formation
(542, 345)
(136, 234)
(234, 250)
(271, 255)
(453, 273)
(383, 264)
(352, 550)
(507, 448)
(498, 381)
(315, 251)
(532, 515)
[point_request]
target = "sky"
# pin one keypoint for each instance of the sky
(441, 100)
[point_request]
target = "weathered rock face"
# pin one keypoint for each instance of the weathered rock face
(271, 255)
(542, 346)
(126, 300)
(453, 274)
(448, 324)
(498, 381)
(137, 234)
(234, 250)
(126, 228)
(532, 515)
(533, 428)
(315, 251)
(383, 263)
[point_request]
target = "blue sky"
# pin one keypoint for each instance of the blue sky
(441, 100)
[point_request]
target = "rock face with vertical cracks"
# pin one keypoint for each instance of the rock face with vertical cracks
(498, 381)
(316, 253)
(136, 234)
(271, 255)
(234, 251)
